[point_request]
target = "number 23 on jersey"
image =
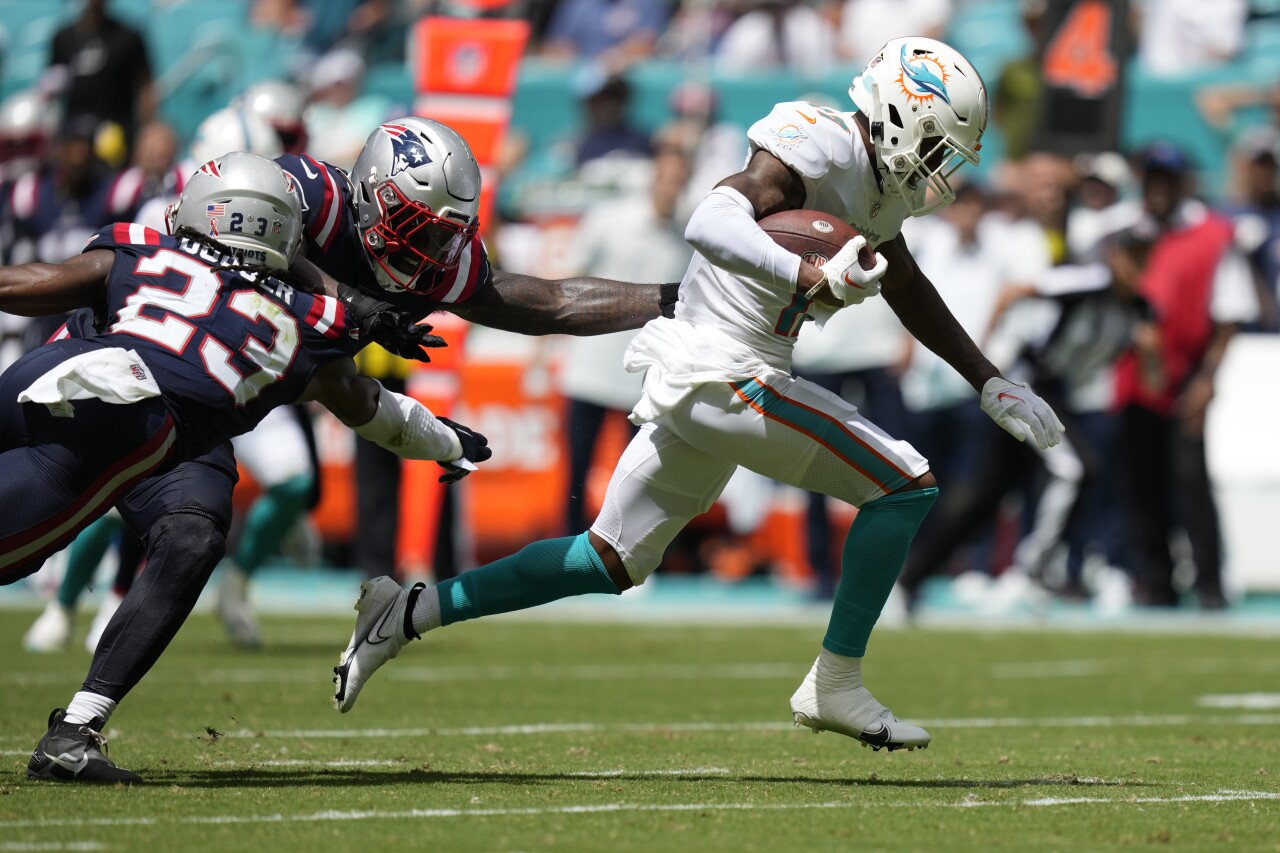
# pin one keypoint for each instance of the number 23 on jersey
(197, 299)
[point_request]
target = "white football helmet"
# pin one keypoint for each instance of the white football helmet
(246, 204)
(279, 105)
(417, 189)
(234, 129)
(927, 106)
(27, 123)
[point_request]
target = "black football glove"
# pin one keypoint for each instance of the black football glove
(394, 329)
(475, 448)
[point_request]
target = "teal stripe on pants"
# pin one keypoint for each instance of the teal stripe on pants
(825, 429)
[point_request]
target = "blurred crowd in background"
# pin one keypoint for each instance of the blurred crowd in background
(1111, 279)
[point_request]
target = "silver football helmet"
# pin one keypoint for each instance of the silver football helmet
(417, 189)
(279, 105)
(246, 204)
(234, 129)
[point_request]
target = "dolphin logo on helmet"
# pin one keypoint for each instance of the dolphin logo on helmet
(927, 83)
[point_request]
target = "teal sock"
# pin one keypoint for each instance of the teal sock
(83, 558)
(873, 556)
(269, 519)
(536, 574)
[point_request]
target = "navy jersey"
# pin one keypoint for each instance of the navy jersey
(225, 346)
(333, 241)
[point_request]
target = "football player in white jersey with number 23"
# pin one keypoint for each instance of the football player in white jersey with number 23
(719, 392)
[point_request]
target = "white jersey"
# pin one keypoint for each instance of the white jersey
(824, 147)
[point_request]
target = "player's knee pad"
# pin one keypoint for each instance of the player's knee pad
(191, 538)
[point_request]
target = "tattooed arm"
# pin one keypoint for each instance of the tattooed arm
(571, 306)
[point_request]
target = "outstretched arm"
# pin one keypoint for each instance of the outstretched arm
(395, 422)
(1015, 408)
(569, 306)
(38, 290)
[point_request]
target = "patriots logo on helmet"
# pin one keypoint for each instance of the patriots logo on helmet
(407, 149)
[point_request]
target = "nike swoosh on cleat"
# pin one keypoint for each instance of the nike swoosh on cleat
(876, 739)
(376, 637)
(66, 762)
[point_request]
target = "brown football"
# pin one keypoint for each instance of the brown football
(812, 235)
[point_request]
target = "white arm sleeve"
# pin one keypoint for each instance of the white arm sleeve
(1072, 278)
(1233, 299)
(723, 229)
(408, 429)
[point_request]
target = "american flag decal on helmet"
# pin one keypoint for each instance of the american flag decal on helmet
(407, 149)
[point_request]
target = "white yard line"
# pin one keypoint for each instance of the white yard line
(616, 808)
(1138, 720)
(1250, 701)
(52, 845)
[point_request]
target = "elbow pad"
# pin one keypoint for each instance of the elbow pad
(724, 231)
(408, 429)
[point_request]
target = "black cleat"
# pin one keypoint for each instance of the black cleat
(75, 752)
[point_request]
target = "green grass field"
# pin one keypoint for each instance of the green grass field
(508, 735)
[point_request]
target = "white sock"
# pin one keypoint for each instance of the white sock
(85, 706)
(426, 610)
(835, 672)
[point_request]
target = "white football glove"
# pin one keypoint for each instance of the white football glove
(846, 278)
(1021, 413)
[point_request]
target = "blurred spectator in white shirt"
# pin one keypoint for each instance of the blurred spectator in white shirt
(715, 148)
(1179, 37)
(1101, 208)
(866, 25)
(636, 237)
(775, 34)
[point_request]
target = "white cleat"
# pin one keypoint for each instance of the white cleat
(51, 632)
(382, 629)
(237, 615)
(110, 604)
(856, 714)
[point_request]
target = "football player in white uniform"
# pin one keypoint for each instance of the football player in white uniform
(719, 392)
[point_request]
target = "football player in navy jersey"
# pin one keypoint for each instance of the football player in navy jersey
(202, 337)
(404, 227)
(416, 230)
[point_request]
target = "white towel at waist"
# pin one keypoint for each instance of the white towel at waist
(109, 374)
(679, 356)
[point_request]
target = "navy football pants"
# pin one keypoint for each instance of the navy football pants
(59, 474)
